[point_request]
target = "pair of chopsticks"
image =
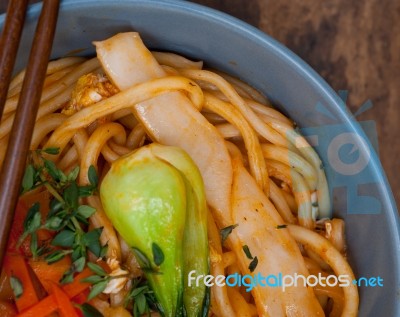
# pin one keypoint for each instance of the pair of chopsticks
(20, 137)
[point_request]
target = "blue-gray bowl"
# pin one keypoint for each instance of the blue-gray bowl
(361, 194)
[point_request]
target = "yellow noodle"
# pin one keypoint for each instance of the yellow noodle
(57, 87)
(300, 190)
(136, 137)
(108, 154)
(94, 145)
(119, 149)
(228, 258)
(44, 126)
(335, 233)
(241, 307)
(336, 261)
(256, 159)
(220, 303)
(176, 61)
(80, 139)
(260, 126)
(280, 203)
(228, 131)
(295, 161)
(124, 99)
(52, 67)
(290, 200)
(70, 158)
(46, 107)
(253, 93)
(324, 204)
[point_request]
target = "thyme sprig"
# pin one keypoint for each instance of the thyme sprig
(66, 215)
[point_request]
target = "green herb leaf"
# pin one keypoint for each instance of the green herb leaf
(97, 289)
(55, 256)
(142, 258)
(91, 239)
(253, 264)
(92, 175)
(141, 303)
(54, 223)
(89, 311)
(92, 279)
(86, 211)
(29, 178)
(16, 286)
(225, 232)
(33, 219)
(72, 176)
(52, 169)
(79, 264)
(34, 245)
(247, 252)
(103, 251)
(64, 238)
(315, 204)
(158, 255)
(86, 191)
(71, 195)
(281, 226)
(51, 150)
(68, 277)
(96, 269)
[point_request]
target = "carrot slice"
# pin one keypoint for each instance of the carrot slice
(50, 273)
(50, 305)
(64, 304)
(77, 286)
(16, 266)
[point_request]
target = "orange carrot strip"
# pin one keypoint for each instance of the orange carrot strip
(15, 265)
(64, 304)
(76, 287)
(50, 273)
(50, 305)
(43, 308)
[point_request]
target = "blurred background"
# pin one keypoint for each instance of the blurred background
(354, 45)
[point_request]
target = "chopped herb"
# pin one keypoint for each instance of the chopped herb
(51, 150)
(86, 211)
(225, 232)
(97, 269)
(29, 178)
(89, 311)
(143, 299)
(247, 252)
(65, 238)
(158, 255)
(253, 264)
(281, 226)
(16, 286)
(66, 216)
(97, 289)
(92, 175)
(142, 258)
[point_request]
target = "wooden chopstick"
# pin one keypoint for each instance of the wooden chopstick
(28, 104)
(9, 43)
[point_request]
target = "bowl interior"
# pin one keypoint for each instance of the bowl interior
(360, 191)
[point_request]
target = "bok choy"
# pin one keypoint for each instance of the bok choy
(155, 199)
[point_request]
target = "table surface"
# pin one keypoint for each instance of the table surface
(354, 45)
